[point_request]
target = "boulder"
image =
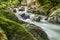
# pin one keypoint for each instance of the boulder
(40, 12)
(36, 11)
(24, 16)
(37, 18)
(55, 16)
(21, 8)
(14, 30)
(36, 31)
(51, 20)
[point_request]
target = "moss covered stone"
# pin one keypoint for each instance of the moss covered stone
(15, 31)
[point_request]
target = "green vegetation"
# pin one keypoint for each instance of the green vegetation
(10, 2)
(12, 29)
(8, 14)
(49, 5)
(2, 35)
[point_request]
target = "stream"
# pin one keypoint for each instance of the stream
(52, 30)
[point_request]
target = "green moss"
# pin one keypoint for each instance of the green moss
(8, 14)
(10, 2)
(15, 30)
(2, 35)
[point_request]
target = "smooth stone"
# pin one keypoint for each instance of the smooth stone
(37, 18)
(24, 16)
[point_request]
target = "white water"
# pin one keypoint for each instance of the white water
(52, 30)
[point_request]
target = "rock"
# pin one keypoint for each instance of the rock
(51, 20)
(24, 16)
(36, 11)
(14, 30)
(58, 20)
(31, 10)
(37, 18)
(21, 8)
(55, 16)
(36, 31)
(40, 12)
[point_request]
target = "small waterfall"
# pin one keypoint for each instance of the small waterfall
(50, 29)
(19, 14)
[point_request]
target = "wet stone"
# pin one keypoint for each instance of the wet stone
(37, 18)
(24, 16)
(21, 8)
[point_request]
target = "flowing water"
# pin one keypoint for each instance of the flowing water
(52, 30)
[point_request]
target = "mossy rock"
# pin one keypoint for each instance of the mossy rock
(55, 16)
(8, 14)
(36, 31)
(15, 31)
